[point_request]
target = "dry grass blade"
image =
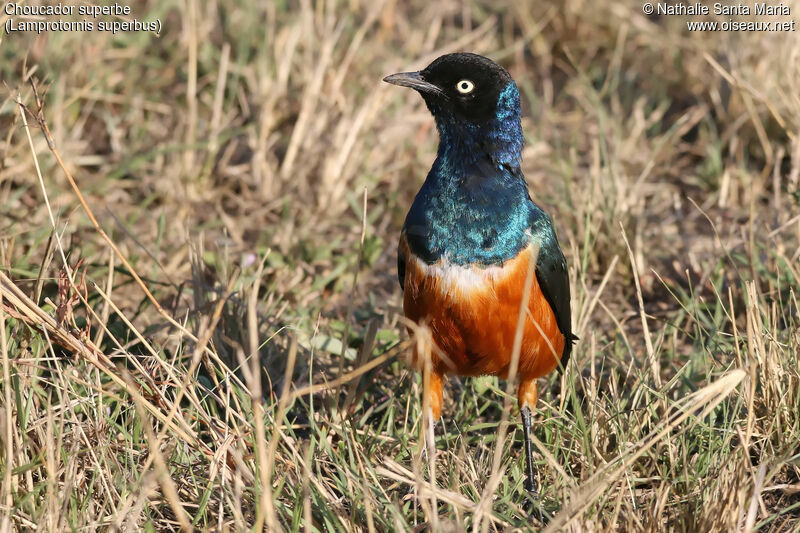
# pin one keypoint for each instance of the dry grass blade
(651, 357)
(162, 468)
(397, 472)
(354, 374)
(7, 417)
(497, 472)
(40, 117)
(24, 309)
(698, 404)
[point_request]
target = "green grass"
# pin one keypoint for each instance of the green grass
(263, 385)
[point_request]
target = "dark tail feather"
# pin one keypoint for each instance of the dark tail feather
(571, 339)
(562, 365)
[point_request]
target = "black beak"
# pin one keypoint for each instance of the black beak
(413, 80)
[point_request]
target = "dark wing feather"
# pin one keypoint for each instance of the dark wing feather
(551, 273)
(401, 266)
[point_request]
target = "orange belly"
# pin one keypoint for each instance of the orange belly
(473, 312)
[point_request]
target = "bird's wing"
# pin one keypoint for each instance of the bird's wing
(551, 273)
(401, 264)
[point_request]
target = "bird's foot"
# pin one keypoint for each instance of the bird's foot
(532, 490)
(428, 448)
(534, 507)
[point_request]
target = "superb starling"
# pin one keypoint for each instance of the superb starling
(470, 235)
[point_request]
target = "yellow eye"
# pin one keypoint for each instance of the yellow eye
(465, 86)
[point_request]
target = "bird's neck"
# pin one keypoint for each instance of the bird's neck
(474, 206)
(499, 139)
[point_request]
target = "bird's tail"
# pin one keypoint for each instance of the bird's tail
(565, 355)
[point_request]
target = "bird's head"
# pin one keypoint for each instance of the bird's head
(474, 101)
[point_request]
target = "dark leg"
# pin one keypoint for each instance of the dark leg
(530, 483)
(429, 450)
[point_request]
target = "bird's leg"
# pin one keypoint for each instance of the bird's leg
(432, 386)
(430, 444)
(432, 403)
(528, 394)
(530, 483)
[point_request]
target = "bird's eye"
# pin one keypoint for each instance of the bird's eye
(465, 86)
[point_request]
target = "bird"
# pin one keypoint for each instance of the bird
(470, 237)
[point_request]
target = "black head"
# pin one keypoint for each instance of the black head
(467, 86)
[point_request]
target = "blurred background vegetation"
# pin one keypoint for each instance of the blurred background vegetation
(249, 166)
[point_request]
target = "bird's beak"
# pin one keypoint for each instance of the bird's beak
(413, 80)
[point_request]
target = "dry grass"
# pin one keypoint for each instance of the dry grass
(209, 338)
